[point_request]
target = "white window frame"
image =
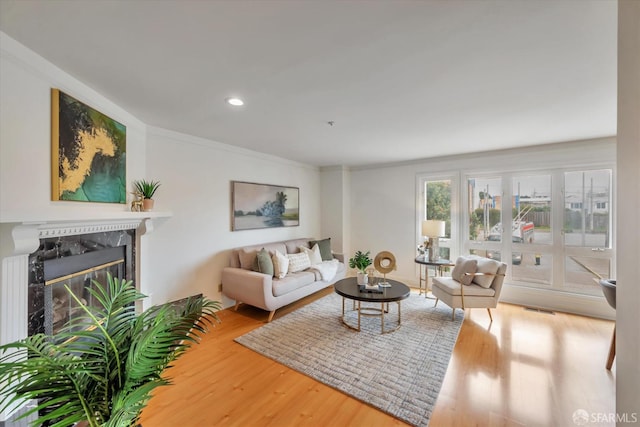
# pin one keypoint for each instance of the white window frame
(558, 250)
(453, 242)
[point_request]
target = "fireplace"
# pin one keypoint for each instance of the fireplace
(31, 237)
(75, 261)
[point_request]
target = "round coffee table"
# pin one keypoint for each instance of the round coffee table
(348, 288)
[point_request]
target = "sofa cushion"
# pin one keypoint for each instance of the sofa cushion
(238, 253)
(263, 262)
(280, 264)
(292, 282)
(293, 245)
(325, 248)
(490, 268)
(452, 287)
(313, 253)
(464, 265)
(247, 258)
(298, 262)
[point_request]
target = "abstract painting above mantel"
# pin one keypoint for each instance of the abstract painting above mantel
(88, 153)
(263, 206)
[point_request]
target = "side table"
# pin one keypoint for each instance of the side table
(438, 266)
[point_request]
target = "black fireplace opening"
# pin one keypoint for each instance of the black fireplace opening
(74, 261)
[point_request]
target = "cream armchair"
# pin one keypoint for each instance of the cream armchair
(475, 282)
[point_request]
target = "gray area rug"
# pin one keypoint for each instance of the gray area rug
(400, 372)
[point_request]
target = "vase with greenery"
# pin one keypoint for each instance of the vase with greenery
(147, 189)
(361, 261)
(101, 369)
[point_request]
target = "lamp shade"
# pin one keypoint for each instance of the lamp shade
(433, 228)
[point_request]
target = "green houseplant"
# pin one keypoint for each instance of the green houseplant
(103, 366)
(146, 189)
(361, 261)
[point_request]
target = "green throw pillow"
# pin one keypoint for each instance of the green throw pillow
(325, 248)
(264, 264)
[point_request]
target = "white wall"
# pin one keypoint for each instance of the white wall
(384, 203)
(186, 253)
(628, 247)
(335, 207)
(25, 132)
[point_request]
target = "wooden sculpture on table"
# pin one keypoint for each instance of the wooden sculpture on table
(385, 262)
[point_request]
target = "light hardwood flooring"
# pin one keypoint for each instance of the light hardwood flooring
(524, 369)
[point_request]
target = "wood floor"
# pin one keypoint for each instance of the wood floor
(524, 369)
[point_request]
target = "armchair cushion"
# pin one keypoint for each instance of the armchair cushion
(464, 270)
(490, 268)
(452, 287)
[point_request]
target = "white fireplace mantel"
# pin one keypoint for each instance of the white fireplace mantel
(75, 214)
(20, 234)
(27, 228)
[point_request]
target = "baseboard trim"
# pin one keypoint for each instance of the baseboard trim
(585, 305)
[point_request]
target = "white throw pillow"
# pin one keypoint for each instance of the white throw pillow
(280, 264)
(314, 254)
(464, 265)
(486, 266)
(298, 262)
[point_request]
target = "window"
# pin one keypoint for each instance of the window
(587, 220)
(485, 205)
(587, 230)
(552, 225)
(484, 216)
(438, 202)
(518, 218)
(532, 230)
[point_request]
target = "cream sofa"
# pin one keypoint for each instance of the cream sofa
(241, 283)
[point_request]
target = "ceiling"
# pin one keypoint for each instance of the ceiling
(401, 80)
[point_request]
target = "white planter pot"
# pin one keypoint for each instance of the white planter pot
(362, 278)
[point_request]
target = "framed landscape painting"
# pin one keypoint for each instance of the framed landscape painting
(263, 206)
(88, 153)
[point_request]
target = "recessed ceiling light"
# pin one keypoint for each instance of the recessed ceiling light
(236, 102)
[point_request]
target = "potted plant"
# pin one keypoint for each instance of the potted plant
(361, 261)
(147, 189)
(102, 368)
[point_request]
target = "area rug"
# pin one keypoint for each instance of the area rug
(399, 373)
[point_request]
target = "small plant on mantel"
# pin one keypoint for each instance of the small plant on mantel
(147, 189)
(101, 369)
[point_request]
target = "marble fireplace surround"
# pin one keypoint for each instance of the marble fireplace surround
(21, 234)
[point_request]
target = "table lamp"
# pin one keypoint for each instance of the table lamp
(433, 229)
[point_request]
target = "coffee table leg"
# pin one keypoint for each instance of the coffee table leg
(382, 317)
(399, 315)
(359, 316)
